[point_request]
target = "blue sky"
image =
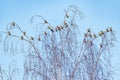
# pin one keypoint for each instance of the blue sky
(99, 14)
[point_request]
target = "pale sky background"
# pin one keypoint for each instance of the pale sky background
(99, 14)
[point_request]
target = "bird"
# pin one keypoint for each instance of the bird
(61, 27)
(39, 39)
(110, 29)
(95, 35)
(107, 30)
(9, 33)
(88, 30)
(67, 15)
(22, 37)
(31, 37)
(24, 33)
(101, 46)
(13, 23)
(90, 35)
(45, 21)
(52, 30)
(45, 33)
(85, 34)
(101, 33)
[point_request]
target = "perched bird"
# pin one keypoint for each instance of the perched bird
(45, 21)
(110, 29)
(66, 25)
(67, 15)
(101, 46)
(88, 30)
(91, 43)
(49, 27)
(31, 38)
(21, 37)
(52, 30)
(24, 33)
(39, 39)
(85, 34)
(61, 27)
(107, 30)
(84, 40)
(56, 29)
(101, 33)
(9, 33)
(13, 24)
(45, 33)
(95, 35)
(90, 35)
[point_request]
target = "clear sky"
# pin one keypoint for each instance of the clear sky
(99, 14)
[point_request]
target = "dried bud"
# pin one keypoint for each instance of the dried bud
(39, 39)
(9, 33)
(45, 21)
(110, 29)
(31, 38)
(21, 37)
